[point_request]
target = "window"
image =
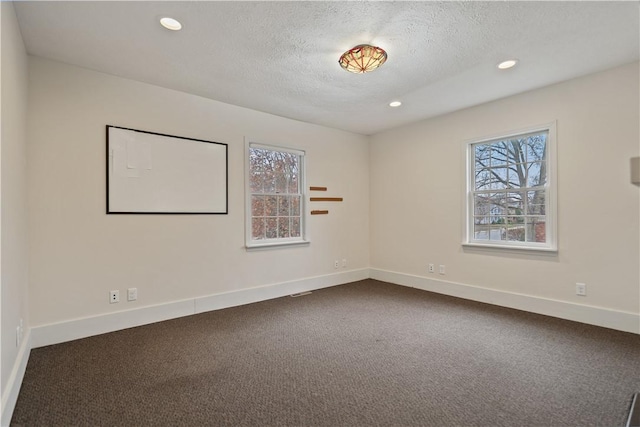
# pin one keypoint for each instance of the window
(511, 191)
(275, 196)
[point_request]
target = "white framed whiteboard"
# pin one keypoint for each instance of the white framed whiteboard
(153, 173)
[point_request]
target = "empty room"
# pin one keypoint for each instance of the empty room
(320, 213)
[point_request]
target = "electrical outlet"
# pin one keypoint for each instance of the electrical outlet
(132, 294)
(581, 289)
(441, 269)
(432, 268)
(336, 264)
(344, 262)
(114, 297)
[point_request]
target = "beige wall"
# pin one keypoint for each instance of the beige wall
(417, 180)
(78, 253)
(13, 191)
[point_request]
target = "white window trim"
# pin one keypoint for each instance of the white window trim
(550, 194)
(303, 240)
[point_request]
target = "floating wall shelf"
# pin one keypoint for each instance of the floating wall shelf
(322, 199)
(326, 199)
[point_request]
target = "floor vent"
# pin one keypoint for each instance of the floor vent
(300, 294)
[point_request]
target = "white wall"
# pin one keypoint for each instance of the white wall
(13, 195)
(78, 253)
(417, 181)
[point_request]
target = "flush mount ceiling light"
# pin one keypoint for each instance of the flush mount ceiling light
(395, 104)
(507, 64)
(363, 58)
(170, 24)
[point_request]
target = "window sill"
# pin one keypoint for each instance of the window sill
(506, 248)
(275, 245)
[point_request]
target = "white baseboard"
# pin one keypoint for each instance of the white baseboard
(10, 393)
(263, 293)
(68, 330)
(89, 326)
(613, 319)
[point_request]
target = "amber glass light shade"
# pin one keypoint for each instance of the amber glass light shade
(363, 58)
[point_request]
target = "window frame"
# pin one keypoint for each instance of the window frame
(303, 239)
(551, 212)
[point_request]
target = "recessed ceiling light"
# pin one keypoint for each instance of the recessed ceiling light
(170, 24)
(507, 64)
(395, 104)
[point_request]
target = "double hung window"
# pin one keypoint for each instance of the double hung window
(275, 196)
(511, 191)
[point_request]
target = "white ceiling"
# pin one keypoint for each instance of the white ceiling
(282, 57)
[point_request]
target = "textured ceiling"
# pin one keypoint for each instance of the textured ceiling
(282, 57)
